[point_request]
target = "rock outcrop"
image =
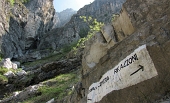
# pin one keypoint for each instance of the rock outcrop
(8, 64)
(40, 21)
(127, 62)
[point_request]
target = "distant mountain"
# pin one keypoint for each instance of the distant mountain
(61, 18)
(102, 10)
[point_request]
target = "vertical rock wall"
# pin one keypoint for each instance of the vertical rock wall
(23, 25)
(13, 20)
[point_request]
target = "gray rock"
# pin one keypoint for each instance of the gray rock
(63, 17)
(21, 73)
(17, 63)
(9, 74)
(22, 95)
(51, 101)
(165, 101)
(7, 63)
(22, 29)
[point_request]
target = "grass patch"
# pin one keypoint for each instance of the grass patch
(53, 57)
(61, 88)
(67, 48)
(3, 70)
(14, 1)
(15, 70)
(3, 79)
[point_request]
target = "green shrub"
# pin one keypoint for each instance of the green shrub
(59, 89)
(24, 1)
(11, 2)
(68, 47)
(14, 1)
(94, 26)
(3, 70)
(83, 32)
(1, 56)
(114, 16)
(3, 79)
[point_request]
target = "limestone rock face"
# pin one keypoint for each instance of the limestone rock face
(141, 25)
(61, 18)
(40, 20)
(56, 20)
(23, 25)
(12, 21)
(102, 10)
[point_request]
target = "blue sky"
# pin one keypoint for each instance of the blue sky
(61, 5)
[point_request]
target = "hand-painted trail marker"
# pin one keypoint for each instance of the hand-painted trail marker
(141, 68)
(135, 68)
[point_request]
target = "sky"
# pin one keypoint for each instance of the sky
(61, 5)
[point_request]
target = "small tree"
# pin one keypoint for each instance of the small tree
(94, 26)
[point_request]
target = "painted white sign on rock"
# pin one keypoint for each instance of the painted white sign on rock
(135, 68)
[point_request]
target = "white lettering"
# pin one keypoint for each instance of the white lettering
(135, 68)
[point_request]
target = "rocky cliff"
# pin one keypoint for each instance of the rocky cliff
(102, 10)
(127, 61)
(22, 25)
(29, 24)
(76, 28)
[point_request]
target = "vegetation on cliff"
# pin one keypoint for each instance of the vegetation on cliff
(3, 79)
(58, 88)
(94, 26)
(13, 1)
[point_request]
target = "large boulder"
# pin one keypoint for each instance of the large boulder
(136, 68)
(7, 63)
